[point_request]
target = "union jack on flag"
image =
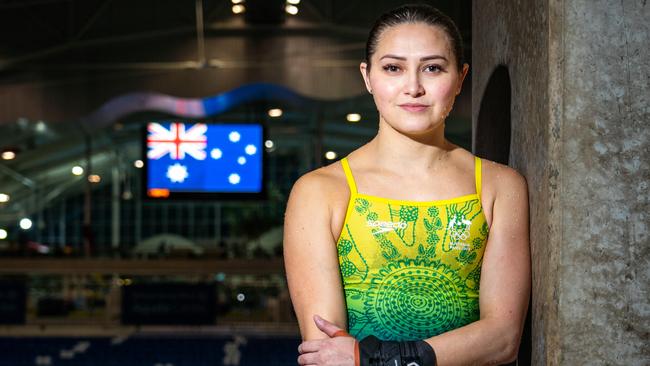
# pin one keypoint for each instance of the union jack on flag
(176, 141)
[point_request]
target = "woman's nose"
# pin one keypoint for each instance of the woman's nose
(414, 87)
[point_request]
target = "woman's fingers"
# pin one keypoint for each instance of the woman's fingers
(336, 350)
(309, 346)
(326, 327)
(333, 351)
(308, 358)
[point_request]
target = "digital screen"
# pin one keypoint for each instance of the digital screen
(194, 158)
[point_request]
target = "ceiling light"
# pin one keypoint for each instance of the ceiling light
(94, 178)
(138, 163)
(237, 1)
(291, 9)
(4, 197)
(275, 112)
(238, 9)
(8, 155)
(330, 155)
(77, 170)
(293, 2)
(41, 126)
(25, 224)
(3, 234)
(269, 144)
(353, 117)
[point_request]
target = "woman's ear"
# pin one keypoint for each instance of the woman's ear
(463, 74)
(363, 67)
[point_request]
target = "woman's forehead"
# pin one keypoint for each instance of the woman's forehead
(413, 39)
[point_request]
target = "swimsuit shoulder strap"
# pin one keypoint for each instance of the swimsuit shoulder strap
(477, 175)
(348, 175)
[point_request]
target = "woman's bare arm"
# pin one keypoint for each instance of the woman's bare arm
(310, 256)
(505, 284)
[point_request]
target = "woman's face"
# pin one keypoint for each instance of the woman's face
(414, 78)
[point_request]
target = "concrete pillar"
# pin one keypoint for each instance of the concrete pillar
(580, 84)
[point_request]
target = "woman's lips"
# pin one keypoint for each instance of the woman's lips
(414, 107)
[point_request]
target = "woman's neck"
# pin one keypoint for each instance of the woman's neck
(395, 149)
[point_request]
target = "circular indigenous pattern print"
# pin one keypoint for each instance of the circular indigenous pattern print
(408, 213)
(414, 300)
(348, 268)
(344, 247)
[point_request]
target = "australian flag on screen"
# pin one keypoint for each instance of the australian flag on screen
(186, 157)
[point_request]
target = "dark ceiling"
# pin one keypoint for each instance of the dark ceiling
(36, 33)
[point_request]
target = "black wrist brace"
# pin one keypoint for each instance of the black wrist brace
(375, 352)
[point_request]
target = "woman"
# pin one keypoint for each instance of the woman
(396, 242)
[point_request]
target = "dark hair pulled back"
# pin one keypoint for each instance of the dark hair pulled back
(416, 13)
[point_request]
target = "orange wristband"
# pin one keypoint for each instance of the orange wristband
(342, 333)
(357, 360)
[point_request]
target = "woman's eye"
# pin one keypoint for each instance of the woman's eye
(391, 68)
(433, 68)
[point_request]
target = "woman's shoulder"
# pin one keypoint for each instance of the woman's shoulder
(499, 178)
(495, 177)
(323, 182)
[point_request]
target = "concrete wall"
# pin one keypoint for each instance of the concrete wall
(604, 174)
(516, 35)
(580, 83)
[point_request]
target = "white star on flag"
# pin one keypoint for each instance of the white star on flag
(177, 173)
(216, 154)
(234, 178)
(234, 136)
(250, 149)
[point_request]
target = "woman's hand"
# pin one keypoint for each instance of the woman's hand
(337, 350)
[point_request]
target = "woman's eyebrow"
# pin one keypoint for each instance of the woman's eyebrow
(425, 58)
(433, 57)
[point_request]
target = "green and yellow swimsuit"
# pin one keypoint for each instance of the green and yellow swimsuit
(411, 270)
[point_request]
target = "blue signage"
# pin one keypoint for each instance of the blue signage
(203, 158)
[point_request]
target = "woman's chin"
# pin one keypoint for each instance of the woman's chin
(418, 130)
